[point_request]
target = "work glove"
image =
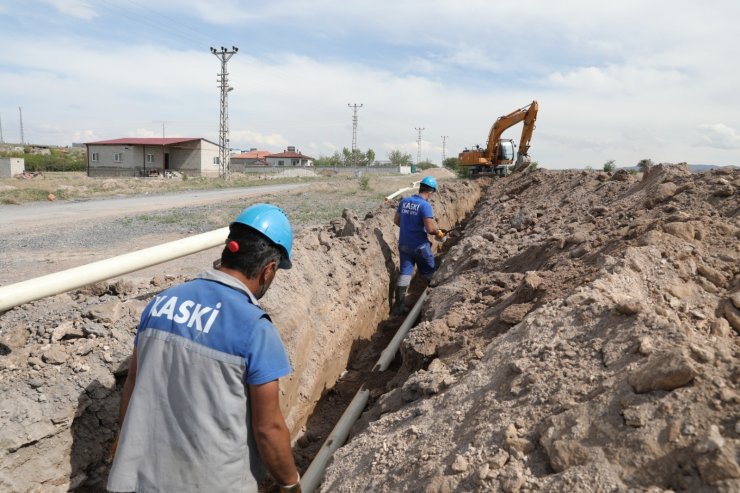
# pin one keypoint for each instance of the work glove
(440, 233)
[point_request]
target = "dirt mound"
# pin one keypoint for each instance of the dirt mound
(64, 358)
(580, 336)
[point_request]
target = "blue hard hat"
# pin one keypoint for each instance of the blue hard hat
(430, 182)
(272, 222)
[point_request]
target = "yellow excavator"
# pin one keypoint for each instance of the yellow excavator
(499, 153)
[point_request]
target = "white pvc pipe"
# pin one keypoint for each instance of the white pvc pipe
(311, 479)
(413, 186)
(66, 280)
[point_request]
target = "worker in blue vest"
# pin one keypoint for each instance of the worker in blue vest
(415, 217)
(200, 408)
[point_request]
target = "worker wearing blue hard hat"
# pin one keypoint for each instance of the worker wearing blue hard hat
(200, 407)
(415, 217)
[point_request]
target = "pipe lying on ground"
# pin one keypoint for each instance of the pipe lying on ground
(414, 186)
(315, 472)
(66, 280)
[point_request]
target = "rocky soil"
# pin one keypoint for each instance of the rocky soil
(63, 358)
(581, 335)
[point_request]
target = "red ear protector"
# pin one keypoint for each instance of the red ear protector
(233, 246)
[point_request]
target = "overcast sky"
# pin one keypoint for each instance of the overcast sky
(622, 80)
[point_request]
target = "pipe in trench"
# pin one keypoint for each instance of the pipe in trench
(66, 280)
(315, 472)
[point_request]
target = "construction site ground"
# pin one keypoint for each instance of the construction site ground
(580, 335)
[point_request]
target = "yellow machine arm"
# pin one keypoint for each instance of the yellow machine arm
(492, 156)
(528, 114)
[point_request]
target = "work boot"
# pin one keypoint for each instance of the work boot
(399, 308)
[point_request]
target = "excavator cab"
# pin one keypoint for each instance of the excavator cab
(505, 151)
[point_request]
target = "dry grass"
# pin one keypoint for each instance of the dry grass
(77, 185)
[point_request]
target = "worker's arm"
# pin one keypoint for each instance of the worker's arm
(397, 219)
(128, 388)
(431, 228)
(271, 433)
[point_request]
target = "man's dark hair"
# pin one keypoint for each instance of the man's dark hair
(255, 251)
(425, 188)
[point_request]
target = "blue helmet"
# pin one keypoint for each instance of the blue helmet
(430, 182)
(272, 222)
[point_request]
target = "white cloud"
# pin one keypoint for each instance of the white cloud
(75, 8)
(719, 136)
(612, 82)
(257, 139)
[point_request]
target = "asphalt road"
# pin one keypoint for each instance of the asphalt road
(18, 218)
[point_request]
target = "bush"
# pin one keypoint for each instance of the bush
(645, 164)
(422, 165)
(610, 166)
(364, 182)
(533, 166)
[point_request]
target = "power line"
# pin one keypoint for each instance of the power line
(418, 145)
(223, 130)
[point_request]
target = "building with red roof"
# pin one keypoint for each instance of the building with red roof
(137, 156)
(289, 157)
(251, 158)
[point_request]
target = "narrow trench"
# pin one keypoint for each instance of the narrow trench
(363, 357)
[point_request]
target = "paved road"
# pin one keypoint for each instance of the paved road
(15, 218)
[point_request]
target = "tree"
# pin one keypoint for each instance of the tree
(357, 157)
(369, 157)
(399, 158)
(644, 165)
(451, 163)
(610, 166)
(333, 160)
(425, 165)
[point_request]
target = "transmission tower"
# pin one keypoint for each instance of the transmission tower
(418, 145)
(223, 129)
(354, 124)
(444, 142)
(20, 112)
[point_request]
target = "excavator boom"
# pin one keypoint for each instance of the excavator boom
(500, 152)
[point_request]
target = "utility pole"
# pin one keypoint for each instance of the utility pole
(223, 129)
(444, 141)
(162, 122)
(20, 112)
(418, 144)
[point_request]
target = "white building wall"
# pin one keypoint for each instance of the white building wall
(11, 166)
(289, 162)
(194, 158)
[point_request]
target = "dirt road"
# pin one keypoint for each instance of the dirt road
(41, 214)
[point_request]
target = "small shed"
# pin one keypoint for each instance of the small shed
(11, 166)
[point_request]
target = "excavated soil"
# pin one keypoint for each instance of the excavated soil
(581, 336)
(63, 358)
